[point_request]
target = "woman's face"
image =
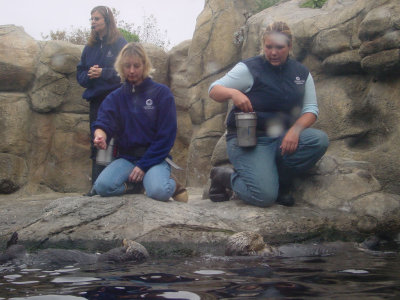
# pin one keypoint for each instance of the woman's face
(276, 48)
(133, 69)
(98, 23)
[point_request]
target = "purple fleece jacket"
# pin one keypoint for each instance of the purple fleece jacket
(142, 116)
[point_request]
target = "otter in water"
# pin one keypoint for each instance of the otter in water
(130, 251)
(248, 243)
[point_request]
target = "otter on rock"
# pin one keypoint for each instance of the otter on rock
(248, 243)
(130, 251)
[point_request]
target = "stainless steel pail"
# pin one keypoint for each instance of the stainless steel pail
(246, 124)
(105, 157)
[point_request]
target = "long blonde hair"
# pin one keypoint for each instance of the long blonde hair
(133, 49)
(112, 31)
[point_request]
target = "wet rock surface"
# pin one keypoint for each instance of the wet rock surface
(337, 200)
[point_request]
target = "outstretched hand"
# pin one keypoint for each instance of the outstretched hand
(100, 139)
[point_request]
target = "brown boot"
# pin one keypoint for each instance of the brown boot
(180, 194)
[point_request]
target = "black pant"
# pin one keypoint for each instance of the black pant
(94, 105)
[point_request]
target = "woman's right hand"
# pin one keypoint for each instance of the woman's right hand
(100, 138)
(221, 94)
(241, 101)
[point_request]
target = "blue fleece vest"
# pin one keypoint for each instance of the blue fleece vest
(276, 95)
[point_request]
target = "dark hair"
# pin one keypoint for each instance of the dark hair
(112, 31)
(278, 27)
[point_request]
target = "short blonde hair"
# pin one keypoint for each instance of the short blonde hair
(278, 27)
(133, 49)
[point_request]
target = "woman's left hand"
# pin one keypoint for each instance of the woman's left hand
(290, 141)
(136, 175)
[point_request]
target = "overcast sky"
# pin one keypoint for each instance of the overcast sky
(177, 17)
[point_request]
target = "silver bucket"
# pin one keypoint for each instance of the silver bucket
(246, 125)
(105, 157)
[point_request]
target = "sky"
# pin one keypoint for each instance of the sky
(177, 17)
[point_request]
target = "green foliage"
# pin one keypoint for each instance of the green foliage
(313, 3)
(148, 32)
(76, 36)
(263, 4)
(129, 36)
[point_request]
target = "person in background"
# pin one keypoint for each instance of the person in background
(281, 92)
(141, 117)
(95, 71)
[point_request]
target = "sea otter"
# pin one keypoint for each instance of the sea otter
(130, 251)
(248, 243)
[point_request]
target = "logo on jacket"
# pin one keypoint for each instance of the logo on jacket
(298, 80)
(109, 54)
(149, 104)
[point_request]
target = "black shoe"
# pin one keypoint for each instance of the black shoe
(220, 188)
(134, 188)
(285, 199)
(91, 193)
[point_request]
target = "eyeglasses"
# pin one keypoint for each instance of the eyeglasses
(95, 19)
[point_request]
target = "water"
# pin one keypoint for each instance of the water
(349, 275)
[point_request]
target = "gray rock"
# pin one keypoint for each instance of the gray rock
(348, 62)
(382, 63)
(18, 59)
(13, 173)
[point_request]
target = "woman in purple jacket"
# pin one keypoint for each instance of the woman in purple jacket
(141, 117)
(95, 71)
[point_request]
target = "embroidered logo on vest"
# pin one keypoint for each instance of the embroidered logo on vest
(109, 54)
(298, 80)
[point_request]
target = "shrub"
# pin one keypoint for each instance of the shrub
(313, 3)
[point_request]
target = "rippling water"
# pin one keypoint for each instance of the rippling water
(350, 275)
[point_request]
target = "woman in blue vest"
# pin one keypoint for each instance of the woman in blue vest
(281, 92)
(95, 71)
(141, 116)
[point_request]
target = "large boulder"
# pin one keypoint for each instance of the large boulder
(18, 59)
(13, 173)
(159, 61)
(15, 121)
(57, 62)
(177, 67)
(326, 204)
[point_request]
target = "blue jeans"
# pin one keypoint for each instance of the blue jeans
(261, 169)
(157, 180)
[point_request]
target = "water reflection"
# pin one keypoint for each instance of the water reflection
(343, 276)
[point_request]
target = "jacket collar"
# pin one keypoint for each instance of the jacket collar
(129, 87)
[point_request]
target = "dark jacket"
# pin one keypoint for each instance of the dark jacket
(103, 55)
(142, 116)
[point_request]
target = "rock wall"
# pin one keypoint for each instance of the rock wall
(352, 50)
(350, 46)
(44, 120)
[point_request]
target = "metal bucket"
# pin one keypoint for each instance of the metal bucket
(246, 125)
(105, 157)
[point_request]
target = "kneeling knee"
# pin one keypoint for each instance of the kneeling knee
(324, 141)
(103, 189)
(263, 198)
(158, 193)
